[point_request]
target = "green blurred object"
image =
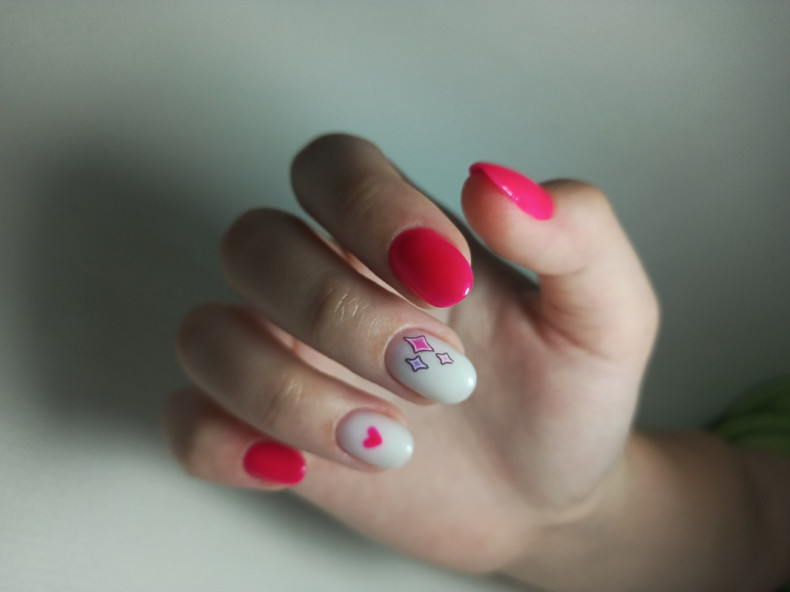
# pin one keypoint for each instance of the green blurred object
(760, 420)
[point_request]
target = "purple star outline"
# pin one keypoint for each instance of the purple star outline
(418, 344)
(444, 358)
(416, 363)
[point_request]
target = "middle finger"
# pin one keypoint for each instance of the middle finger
(276, 262)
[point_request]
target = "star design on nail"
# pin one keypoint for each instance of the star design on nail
(416, 363)
(418, 344)
(444, 358)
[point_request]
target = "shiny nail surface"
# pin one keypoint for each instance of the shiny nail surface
(431, 266)
(272, 461)
(376, 439)
(430, 367)
(523, 191)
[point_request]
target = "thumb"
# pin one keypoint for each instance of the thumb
(593, 289)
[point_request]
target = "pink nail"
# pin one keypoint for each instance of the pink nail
(431, 266)
(523, 191)
(272, 461)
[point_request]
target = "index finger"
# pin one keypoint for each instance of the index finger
(349, 187)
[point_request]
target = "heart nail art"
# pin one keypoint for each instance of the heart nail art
(375, 439)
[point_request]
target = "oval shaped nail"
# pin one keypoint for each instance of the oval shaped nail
(430, 367)
(376, 439)
(431, 266)
(272, 461)
(523, 191)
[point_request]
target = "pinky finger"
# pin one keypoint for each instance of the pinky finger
(210, 444)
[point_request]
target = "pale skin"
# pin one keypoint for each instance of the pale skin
(540, 469)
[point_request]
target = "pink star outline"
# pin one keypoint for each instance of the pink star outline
(445, 358)
(418, 344)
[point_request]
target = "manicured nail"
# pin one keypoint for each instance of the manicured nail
(431, 266)
(376, 439)
(272, 461)
(527, 195)
(431, 367)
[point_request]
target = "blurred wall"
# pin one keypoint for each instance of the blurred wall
(132, 134)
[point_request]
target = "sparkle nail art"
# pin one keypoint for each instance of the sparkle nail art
(430, 367)
(376, 439)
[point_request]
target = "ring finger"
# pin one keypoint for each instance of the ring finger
(229, 353)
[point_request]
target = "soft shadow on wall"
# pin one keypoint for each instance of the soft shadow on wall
(118, 258)
(124, 247)
(121, 253)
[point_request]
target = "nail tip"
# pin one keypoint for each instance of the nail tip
(448, 302)
(464, 392)
(405, 458)
(274, 462)
(527, 194)
(430, 367)
(431, 266)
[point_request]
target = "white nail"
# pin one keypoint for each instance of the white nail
(431, 367)
(376, 439)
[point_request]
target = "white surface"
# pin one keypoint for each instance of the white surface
(376, 439)
(417, 365)
(131, 134)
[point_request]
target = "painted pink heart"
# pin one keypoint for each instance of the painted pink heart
(373, 439)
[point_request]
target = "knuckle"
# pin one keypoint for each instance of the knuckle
(193, 460)
(361, 199)
(248, 248)
(182, 418)
(239, 238)
(584, 196)
(251, 233)
(190, 457)
(283, 394)
(241, 232)
(589, 216)
(334, 302)
(194, 328)
(592, 202)
(336, 145)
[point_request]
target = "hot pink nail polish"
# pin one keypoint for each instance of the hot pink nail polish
(525, 193)
(272, 461)
(431, 266)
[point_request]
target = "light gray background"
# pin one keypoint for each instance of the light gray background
(132, 134)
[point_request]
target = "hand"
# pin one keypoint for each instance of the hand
(559, 367)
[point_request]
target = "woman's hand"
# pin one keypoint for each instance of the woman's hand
(326, 357)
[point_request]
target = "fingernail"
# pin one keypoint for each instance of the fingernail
(272, 461)
(430, 367)
(376, 439)
(431, 266)
(525, 193)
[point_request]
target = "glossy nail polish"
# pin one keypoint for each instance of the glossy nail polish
(431, 266)
(523, 191)
(375, 439)
(430, 367)
(272, 461)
